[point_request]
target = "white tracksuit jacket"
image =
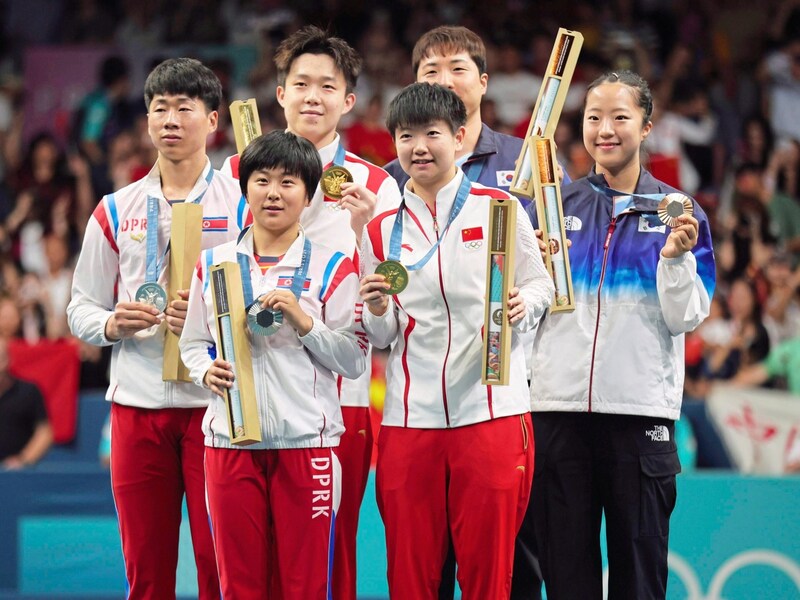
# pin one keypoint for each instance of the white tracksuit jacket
(332, 228)
(112, 266)
(435, 325)
(296, 389)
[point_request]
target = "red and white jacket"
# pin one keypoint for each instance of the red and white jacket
(112, 266)
(435, 325)
(294, 376)
(324, 224)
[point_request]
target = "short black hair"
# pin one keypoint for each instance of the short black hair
(449, 39)
(313, 40)
(113, 69)
(187, 76)
(281, 149)
(421, 103)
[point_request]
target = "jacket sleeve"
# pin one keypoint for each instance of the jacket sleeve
(686, 284)
(388, 196)
(338, 340)
(381, 331)
(95, 279)
(530, 276)
(197, 342)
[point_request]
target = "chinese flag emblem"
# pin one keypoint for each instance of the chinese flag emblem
(472, 234)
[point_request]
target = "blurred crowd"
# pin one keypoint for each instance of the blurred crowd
(725, 76)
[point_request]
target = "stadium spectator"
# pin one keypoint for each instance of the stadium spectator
(25, 433)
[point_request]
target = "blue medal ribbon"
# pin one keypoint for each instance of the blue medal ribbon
(153, 261)
(624, 202)
(472, 169)
(338, 158)
(396, 240)
(247, 285)
(298, 278)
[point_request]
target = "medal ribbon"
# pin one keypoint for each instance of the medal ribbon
(153, 261)
(298, 278)
(624, 202)
(396, 240)
(472, 169)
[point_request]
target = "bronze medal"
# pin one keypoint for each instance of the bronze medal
(332, 179)
(396, 275)
(673, 206)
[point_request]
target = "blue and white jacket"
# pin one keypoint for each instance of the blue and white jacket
(622, 350)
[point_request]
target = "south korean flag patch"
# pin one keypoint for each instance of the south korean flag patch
(651, 224)
(504, 178)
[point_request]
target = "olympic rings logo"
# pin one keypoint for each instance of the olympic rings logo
(762, 556)
(473, 245)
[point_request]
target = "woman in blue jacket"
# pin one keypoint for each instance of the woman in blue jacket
(608, 378)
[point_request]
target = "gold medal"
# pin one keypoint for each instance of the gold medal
(396, 275)
(332, 180)
(673, 206)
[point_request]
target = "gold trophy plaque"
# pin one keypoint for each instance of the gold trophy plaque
(550, 214)
(246, 125)
(233, 346)
(185, 243)
(496, 358)
(536, 174)
(549, 104)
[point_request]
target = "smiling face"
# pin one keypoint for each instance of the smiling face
(613, 128)
(276, 200)
(457, 72)
(315, 98)
(179, 126)
(427, 153)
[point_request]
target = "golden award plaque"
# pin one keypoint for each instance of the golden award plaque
(332, 179)
(549, 104)
(496, 358)
(246, 125)
(184, 242)
(396, 275)
(550, 214)
(673, 206)
(535, 176)
(233, 345)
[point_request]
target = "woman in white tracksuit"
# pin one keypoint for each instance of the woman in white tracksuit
(454, 455)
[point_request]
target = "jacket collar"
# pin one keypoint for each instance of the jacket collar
(293, 256)
(487, 142)
(646, 184)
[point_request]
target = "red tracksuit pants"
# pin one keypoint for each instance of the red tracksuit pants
(273, 514)
(156, 457)
(473, 480)
(354, 453)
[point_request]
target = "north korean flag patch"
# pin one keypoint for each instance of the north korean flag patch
(285, 283)
(215, 223)
(472, 237)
